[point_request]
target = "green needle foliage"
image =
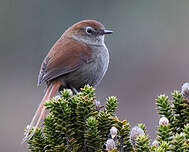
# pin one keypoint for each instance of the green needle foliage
(37, 142)
(164, 133)
(164, 107)
(123, 138)
(105, 123)
(92, 137)
(181, 111)
(186, 131)
(163, 147)
(78, 123)
(111, 105)
(142, 144)
(177, 143)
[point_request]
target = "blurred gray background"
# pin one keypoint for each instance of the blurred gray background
(149, 53)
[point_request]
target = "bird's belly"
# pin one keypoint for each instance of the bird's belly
(89, 73)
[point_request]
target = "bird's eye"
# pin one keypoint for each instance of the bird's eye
(89, 30)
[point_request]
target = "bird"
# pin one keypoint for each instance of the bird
(77, 58)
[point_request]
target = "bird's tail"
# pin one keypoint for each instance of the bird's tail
(40, 113)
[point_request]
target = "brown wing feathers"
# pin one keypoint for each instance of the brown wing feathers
(64, 57)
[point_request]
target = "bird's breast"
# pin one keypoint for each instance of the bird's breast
(90, 73)
(100, 65)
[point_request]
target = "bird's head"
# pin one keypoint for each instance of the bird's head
(88, 31)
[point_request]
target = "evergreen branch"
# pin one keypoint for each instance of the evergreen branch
(75, 124)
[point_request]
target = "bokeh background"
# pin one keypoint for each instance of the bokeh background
(149, 53)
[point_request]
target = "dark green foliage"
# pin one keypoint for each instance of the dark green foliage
(163, 147)
(186, 135)
(176, 111)
(92, 137)
(56, 126)
(181, 111)
(75, 124)
(186, 131)
(105, 123)
(123, 136)
(164, 107)
(176, 133)
(37, 142)
(177, 143)
(52, 134)
(164, 133)
(142, 144)
(84, 109)
(111, 105)
(88, 91)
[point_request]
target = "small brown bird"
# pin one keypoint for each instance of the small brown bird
(78, 58)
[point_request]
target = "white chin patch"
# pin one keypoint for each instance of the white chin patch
(96, 41)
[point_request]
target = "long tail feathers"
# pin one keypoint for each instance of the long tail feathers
(40, 113)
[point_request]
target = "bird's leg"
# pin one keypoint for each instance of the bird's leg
(73, 89)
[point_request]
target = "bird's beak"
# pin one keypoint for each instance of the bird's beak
(107, 32)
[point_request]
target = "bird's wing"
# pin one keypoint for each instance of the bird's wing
(67, 55)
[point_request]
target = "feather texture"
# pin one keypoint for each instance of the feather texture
(67, 55)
